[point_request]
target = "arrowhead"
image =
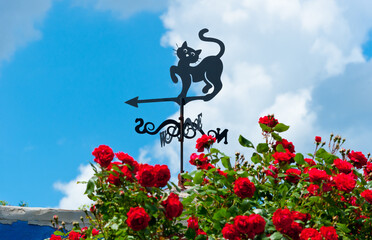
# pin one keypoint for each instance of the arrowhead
(133, 102)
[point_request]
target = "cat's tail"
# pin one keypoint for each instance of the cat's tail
(209, 39)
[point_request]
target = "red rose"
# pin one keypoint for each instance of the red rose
(343, 166)
(358, 159)
(204, 142)
(244, 188)
(127, 173)
(115, 177)
(198, 160)
(192, 222)
(272, 171)
(304, 217)
(310, 233)
(201, 232)
(368, 171)
(162, 175)
(257, 222)
(54, 237)
(310, 161)
(344, 182)
(351, 200)
(286, 157)
(268, 120)
(318, 139)
(74, 235)
(294, 230)
(317, 175)
(222, 173)
(313, 189)
(125, 158)
(104, 155)
(242, 224)
(282, 219)
(293, 175)
(138, 218)
(95, 232)
(146, 175)
(367, 194)
(286, 145)
(329, 233)
(93, 209)
(206, 166)
(173, 207)
(229, 232)
(327, 187)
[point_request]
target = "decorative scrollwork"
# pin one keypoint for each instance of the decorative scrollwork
(173, 130)
(149, 127)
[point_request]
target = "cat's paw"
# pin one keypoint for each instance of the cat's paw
(206, 88)
(174, 79)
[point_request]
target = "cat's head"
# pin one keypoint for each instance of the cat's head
(188, 54)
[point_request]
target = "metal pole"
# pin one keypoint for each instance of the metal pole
(181, 132)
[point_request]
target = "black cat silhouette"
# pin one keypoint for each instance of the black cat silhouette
(208, 70)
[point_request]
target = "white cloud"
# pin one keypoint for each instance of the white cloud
(124, 8)
(18, 20)
(74, 192)
(277, 53)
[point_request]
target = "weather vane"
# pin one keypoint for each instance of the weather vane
(209, 70)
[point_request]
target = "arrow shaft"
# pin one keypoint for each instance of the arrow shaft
(158, 100)
(135, 101)
(177, 100)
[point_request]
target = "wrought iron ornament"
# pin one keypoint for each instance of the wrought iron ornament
(188, 70)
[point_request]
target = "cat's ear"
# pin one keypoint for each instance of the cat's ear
(198, 52)
(184, 44)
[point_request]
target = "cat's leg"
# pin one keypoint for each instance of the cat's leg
(173, 70)
(217, 86)
(208, 85)
(186, 83)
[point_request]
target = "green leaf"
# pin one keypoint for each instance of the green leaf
(265, 128)
(198, 178)
(327, 157)
(330, 158)
(328, 171)
(90, 186)
(201, 210)
(343, 227)
(262, 147)
(190, 233)
(276, 136)
(176, 187)
(280, 127)
(321, 153)
(245, 142)
(186, 175)
(220, 214)
(256, 158)
(234, 210)
(276, 236)
(214, 150)
(201, 237)
(299, 159)
(280, 148)
(226, 162)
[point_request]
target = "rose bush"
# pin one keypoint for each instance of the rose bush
(275, 194)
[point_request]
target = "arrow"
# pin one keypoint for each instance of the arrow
(135, 101)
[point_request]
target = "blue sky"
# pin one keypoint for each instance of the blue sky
(67, 66)
(64, 94)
